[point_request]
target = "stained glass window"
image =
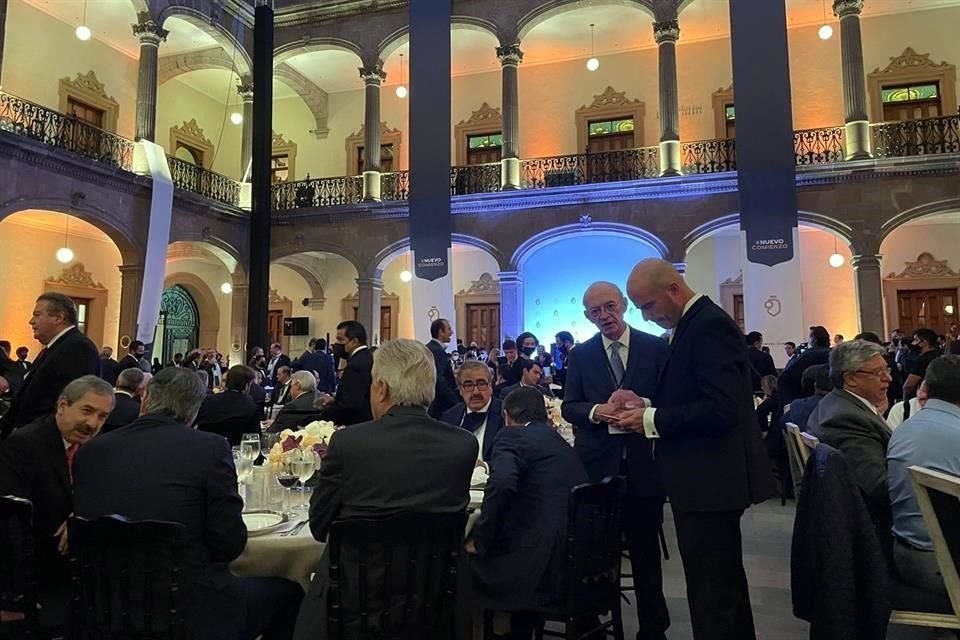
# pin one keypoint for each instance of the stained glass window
(910, 94)
(730, 112)
(611, 127)
(485, 141)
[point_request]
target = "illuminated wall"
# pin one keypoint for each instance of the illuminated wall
(556, 275)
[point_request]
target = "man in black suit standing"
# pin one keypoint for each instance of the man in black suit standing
(109, 368)
(22, 362)
(321, 364)
(135, 358)
(35, 463)
(421, 464)
(479, 413)
(531, 373)
(277, 359)
(761, 362)
(351, 405)
(127, 394)
(233, 413)
(66, 356)
(708, 445)
(620, 357)
(518, 543)
(446, 392)
(160, 469)
(790, 384)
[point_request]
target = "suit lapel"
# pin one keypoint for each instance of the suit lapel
(602, 363)
(678, 332)
(633, 360)
(490, 432)
(58, 455)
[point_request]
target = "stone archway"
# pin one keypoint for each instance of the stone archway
(207, 308)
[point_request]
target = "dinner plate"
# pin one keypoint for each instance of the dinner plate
(260, 523)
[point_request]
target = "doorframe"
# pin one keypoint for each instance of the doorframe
(486, 290)
(926, 272)
(285, 306)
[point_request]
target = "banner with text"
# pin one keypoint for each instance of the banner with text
(432, 300)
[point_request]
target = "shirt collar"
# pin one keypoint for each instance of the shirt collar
(692, 301)
(124, 392)
(358, 349)
(865, 402)
(57, 337)
(624, 339)
(943, 405)
(486, 408)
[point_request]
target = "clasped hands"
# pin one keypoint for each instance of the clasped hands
(623, 410)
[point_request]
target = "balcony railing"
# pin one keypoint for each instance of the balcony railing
(916, 137)
(395, 186)
(708, 156)
(819, 146)
(52, 128)
(589, 168)
(476, 178)
(317, 192)
(203, 182)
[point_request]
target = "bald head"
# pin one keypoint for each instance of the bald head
(659, 291)
(604, 305)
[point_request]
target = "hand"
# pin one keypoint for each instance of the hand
(326, 401)
(470, 548)
(63, 546)
(605, 412)
(629, 420)
(626, 399)
(4, 385)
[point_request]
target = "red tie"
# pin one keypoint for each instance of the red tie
(71, 452)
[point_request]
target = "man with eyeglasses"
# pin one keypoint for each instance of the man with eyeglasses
(479, 413)
(849, 420)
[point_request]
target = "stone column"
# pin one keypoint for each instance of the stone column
(245, 89)
(511, 303)
(666, 34)
(370, 291)
(510, 58)
(238, 323)
(150, 34)
(857, 123)
(372, 78)
(3, 34)
(866, 268)
(131, 283)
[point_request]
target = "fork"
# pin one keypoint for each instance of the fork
(295, 530)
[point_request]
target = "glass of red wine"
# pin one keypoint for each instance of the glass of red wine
(287, 475)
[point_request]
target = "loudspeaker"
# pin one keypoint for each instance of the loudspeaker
(296, 326)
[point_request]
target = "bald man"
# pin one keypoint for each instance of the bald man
(620, 357)
(708, 446)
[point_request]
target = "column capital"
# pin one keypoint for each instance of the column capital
(373, 75)
(245, 89)
(131, 269)
(846, 8)
(370, 283)
(148, 30)
(510, 54)
(510, 277)
(666, 31)
(865, 261)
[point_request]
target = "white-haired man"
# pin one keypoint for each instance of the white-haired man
(421, 464)
(299, 410)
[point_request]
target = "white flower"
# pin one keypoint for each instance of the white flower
(319, 431)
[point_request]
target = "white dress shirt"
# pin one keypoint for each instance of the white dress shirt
(57, 337)
(865, 402)
(624, 341)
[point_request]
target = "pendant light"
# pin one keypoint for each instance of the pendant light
(65, 253)
(592, 64)
(401, 88)
(405, 275)
(826, 31)
(83, 31)
(836, 259)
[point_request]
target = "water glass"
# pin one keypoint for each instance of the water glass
(305, 465)
(250, 446)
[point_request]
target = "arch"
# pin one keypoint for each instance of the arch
(304, 267)
(929, 209)
(180, 319)
(316, 245)
(544, 238)
(389, 45)
(218, 32)
(398, 248)
(312, 43)
(553, 8)
(205, 245)
(807, 218)
(207, 307)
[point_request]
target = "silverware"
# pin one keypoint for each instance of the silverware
(296, 529)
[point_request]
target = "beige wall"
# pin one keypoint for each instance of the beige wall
(30, 240)
(338, 279)
(213, 275)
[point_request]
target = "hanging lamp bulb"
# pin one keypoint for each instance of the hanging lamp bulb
(593, 63)
(65, 253)
(406, 276)
(401, 89)
(836, 260)
(83, 31)
(826, 31)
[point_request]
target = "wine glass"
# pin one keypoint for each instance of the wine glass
(305, 464)
(250, 446)
(286, 473)
(242, 466)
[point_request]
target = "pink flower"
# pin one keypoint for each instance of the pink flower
(291, 443)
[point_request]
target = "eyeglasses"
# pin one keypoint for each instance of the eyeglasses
(610, 307)
(480, 385)
(875, 372)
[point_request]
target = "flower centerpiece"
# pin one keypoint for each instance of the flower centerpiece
(555, 416)
(315, 436)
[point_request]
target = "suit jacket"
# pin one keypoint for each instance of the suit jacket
(321, 363)
(352, 402)
(282, 361)
(455, 417)
(846, 424)
(590, 382)
(109, 370)
(125, 411)
(158, 469)
(280, 394)
(761, 364)
(542, 388)
(789, 385)
(70, 357)
(33, 465)
(128, 361)
(521, 533)
(446, 388)
(710, 451)
(296, 413)
(229, 414)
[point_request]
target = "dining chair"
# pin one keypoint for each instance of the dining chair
(394, 578)
(18, 588)
(795, 456)
(126, 579)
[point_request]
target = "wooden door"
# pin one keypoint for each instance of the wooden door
(386, 323)
(275, 326)
(483, 325)
(931, 308)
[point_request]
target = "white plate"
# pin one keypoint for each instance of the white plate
(260, 523)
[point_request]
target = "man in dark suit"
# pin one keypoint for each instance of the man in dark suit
(233, 413)
(35, 463)
(109, 368)
(620, 357)
(565, 344)
(66, 356)
(479, 413)
(301, 408)
(321, 364)
(421, 464)
(446, 392)
(708, 446)
(799, 410)
(351, 405)
(761, 362)
(518, 543)
(135, 358)
(848, 420)
(277, 359)
(22, 362)
(127, 393)
(281, 388)
(531, 373)
(159, 469)
(790, 384)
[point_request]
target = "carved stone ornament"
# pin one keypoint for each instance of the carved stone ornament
(486, 284)
(845, 8)
(149, 30)
(926, 266)
(192, 130)
(279, 141)
(384, 129)
(910, 60)
(89, 82)
(373, 75)
(733, 281)
(666, 31)
(76, 276)
(276, 298)
(611, 98)
(510, 54)
(485, 113)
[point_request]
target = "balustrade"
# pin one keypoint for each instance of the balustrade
(819, 146)
(590, 168)
(708, 156)
(317, 192)
(476, 178)
(916, 137)
(395, 186)
(203, 182)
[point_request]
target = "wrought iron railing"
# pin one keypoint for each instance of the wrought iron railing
(708, 156)
(203, 182)
(317, 192)
(916, 137)
(53, 128)
(819, 146)
(395, 186)
(555, 171)
(476, 178)
(589, 168)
